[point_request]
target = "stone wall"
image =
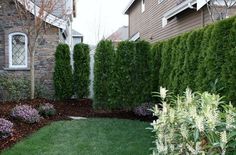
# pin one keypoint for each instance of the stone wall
(44, 56)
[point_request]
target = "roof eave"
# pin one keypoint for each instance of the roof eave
(126, 11)
(51, 19)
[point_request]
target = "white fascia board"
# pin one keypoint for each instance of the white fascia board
(201, 3)
(179, 8)
(51, 19)
(128, 6)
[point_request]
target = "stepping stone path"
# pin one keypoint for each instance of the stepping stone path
(77, 118)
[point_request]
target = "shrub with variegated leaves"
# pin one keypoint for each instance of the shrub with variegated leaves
(6, 128)
(26, 113)
(194, 124)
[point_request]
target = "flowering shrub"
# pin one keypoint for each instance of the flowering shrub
(5, 128)
(143, 110)
(47, 109)
(194, 124)
(26, 113)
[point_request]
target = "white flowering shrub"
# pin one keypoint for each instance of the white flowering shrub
(194, 124)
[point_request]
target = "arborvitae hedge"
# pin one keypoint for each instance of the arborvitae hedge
(165, 64)
(123, 76)
(200, 79)
(156, 64)
(81, 70)
(102, 73)
(203, 60)
(142, 72)
(230, 66)
(128, 83)
(62, 76)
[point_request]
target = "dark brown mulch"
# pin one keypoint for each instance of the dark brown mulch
(82, 108)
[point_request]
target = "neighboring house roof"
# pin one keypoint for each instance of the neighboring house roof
(56, 17)
(120, 35)
(76, 33)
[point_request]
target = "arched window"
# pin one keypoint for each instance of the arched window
(18, 50)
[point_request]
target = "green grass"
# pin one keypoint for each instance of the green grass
(88, 137)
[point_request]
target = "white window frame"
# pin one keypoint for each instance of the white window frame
(143, 6)
(10, 50)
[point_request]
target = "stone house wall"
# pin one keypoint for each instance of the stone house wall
(44, 56)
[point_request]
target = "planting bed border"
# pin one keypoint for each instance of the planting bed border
(82, 108)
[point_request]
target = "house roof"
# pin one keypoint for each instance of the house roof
(58, 11)
(131, 2)
(57, 16)
(119, 35)
(76, 33)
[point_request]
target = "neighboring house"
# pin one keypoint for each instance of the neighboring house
(14, 55)
(120, 35)
(76, 38)
(155, 20)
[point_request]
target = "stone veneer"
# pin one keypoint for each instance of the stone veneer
(44, 56)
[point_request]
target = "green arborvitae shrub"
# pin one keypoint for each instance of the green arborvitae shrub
(165, 63)
(103, 73)
(200, 80)
(123, 87)
(218, 47)
(193, 43)
(142, 72)
(157, 51)
(174, 64)
(81, 70)
(228, 73)
(178, 78)
(62, 76)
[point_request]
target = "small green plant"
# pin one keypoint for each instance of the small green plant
(46, 110)
(194, 124)
(14, 88)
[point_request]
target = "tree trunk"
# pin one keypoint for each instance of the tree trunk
(32, 76)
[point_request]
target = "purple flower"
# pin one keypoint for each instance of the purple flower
(26, 113)
(143, 110)
(5, 128)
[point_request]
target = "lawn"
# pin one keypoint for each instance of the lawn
(88, 137)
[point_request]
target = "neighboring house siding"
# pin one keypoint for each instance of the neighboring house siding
(44, 56)
(149, 23)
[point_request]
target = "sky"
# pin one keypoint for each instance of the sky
(98, 18)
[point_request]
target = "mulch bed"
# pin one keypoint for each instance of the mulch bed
(82, 108)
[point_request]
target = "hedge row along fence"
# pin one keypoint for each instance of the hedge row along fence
(204, 60)
(66, 82)
(122, 77)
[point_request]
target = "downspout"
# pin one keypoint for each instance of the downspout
(203, 19)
